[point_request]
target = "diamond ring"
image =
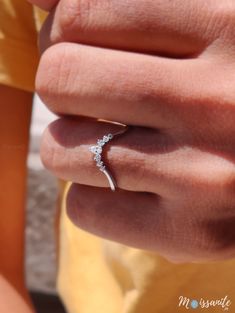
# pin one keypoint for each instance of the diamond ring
(97, 151)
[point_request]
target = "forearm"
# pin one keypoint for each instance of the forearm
(15, 112)
(11, 300)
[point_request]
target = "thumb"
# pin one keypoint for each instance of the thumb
(46, 5)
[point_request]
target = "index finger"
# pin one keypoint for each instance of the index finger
(46, 5)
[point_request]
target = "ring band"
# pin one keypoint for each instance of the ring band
(97, 151)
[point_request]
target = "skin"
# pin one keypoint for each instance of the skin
(15, 113)
(167, 69)
(12, 301)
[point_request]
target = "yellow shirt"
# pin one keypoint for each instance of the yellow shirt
(18, 44)
(97, 275)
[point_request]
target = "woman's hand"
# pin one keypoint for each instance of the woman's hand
(168, 69)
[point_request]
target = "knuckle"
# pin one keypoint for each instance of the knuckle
(219, 237)
(53, 75)
(212, 100)
(75, 14)
(53, 155)
(210, 240)
(47, 150)
(223, 19)
(225, 12)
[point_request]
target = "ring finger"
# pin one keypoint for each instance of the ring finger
(141, 159)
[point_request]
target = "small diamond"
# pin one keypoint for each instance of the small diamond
(97, 157)
(99, 164)
(110, 136)
(100, 142)
(96, 149)
(105, 138)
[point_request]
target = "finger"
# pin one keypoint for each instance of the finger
(129, 88)
(65, 152)
(173, 28)
(44, 4)
(141, 159)
(121, 216)
(139, 220)
(138, 89)
(148, 222)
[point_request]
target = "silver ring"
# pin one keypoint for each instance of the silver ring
(97, 151)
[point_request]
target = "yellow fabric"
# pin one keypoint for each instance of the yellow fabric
(18, 44)
(96, 275)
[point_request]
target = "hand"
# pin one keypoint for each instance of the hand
(168, 69)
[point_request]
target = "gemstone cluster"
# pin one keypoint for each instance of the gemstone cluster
(97, 150)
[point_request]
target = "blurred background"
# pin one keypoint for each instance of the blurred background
(41, 212)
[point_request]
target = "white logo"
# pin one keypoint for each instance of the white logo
(188, 303)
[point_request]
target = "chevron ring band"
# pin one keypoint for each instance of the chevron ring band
(97, 151)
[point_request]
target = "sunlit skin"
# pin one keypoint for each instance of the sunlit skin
(15, 113)
(167, 68)
(11, 300)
